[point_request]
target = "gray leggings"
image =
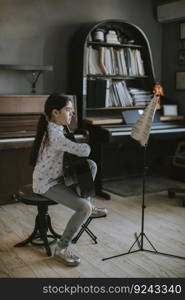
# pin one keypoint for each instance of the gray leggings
(82, 207)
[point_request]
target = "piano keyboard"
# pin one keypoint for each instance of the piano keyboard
(29, 139)
(113, 133)
(129, 128)
(15, 140)
(153, 131)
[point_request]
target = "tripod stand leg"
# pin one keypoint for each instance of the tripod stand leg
(129, 251)
(166, 254)
(136, 241)
(150, 242)
(142, 234)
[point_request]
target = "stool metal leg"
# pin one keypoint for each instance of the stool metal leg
(91, 234)
(85, 228)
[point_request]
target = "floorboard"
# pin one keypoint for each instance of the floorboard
(164, 226)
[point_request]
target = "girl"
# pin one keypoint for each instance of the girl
(47, 158)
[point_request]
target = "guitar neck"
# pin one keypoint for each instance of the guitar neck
(69, 134)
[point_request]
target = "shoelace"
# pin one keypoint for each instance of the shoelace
(69, 253)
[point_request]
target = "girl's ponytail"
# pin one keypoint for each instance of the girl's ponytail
(54, 101)
(41, 132)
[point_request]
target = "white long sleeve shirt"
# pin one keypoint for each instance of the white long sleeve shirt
(49, 166)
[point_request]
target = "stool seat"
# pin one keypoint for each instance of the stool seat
(42, 221)
(27, 196)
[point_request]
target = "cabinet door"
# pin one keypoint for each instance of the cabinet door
(15, 171)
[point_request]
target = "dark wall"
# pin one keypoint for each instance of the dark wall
(39, 32)
(171, 45)
(170, 64)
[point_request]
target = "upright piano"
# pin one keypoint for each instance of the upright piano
(19, 115)
(118, 155)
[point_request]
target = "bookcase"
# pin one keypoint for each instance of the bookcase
(117, 155)
(118, 71)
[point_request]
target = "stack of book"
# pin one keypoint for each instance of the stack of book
(139, 96)
(119, 95)
(111, 37)
(110, 61)
(93, 62)
(103, 92)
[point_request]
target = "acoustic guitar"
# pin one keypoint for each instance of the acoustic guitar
(76, 170)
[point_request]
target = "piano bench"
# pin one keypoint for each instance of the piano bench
(39, 236)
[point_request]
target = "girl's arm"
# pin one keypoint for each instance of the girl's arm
(60, 142)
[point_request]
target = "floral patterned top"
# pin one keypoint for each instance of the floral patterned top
(49, 167)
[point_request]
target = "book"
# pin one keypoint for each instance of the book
(91, 93)
(102, 61)
(100, 93)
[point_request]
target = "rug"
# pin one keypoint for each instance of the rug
(133, 186)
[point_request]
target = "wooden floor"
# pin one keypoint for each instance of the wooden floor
(164, 226)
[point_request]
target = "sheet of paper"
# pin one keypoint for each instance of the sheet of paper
(141, 130)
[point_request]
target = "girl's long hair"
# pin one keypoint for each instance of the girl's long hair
(54, 101)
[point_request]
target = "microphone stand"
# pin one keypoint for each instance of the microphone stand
(140, 238)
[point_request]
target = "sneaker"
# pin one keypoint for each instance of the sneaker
(66, 256)
(99, 212)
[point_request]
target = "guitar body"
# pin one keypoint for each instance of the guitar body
(76, 170)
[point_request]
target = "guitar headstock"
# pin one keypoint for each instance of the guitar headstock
(158, 90)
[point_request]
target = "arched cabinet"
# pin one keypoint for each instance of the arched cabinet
(112, 72)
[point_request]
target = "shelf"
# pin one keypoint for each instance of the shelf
(171, 118)
(103, 44)
(102, 121)
(36, 71)
(117, 108)
(115, 76)
(32, 68)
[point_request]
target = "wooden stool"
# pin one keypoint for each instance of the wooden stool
(42, 221)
